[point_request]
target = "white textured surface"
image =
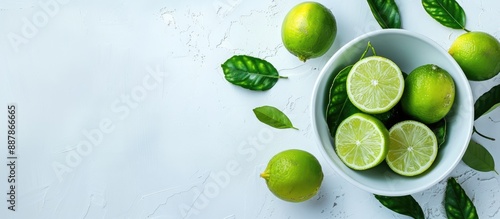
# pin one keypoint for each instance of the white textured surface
(169, 137)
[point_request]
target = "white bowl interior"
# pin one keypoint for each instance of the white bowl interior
(408, 50)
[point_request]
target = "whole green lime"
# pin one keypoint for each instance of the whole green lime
(308, 30)
(478, 54)
(293, 175)
(429, 93)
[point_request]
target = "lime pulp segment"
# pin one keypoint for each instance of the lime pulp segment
(375, 84)
(361, 141)
(412, 148)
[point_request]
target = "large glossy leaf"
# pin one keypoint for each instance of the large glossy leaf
(457, 204)
(273, 117)
(386, 13)
(487, 102)
(339, 107)
(406, 205)
(478, 158)
(447, 12)
(250, 72)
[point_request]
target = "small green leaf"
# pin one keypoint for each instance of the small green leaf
(273, 117)
(386, 13)
(439, 129)
(447, 12)
(478, 158)
(487, 102)
(405, 205)
(457, 204)
(250, 72)
(339, 107)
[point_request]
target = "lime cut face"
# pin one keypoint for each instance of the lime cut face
(375, 84)
(412, 148)
(361, 141)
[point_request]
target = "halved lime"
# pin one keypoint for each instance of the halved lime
(361, 141)
(412, 149)
(375, 84)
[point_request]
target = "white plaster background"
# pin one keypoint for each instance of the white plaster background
(169, 137)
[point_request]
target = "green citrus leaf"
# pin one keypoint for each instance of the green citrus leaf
(406, 205)
(439, 129)
(492, 108)
(273, 117)
(250, 72)
(487, 102)
(478, 158)
(386, 13)
(457, 203)
(339, 107)
(447, 12)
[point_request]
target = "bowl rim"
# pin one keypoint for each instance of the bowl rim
(324, 74)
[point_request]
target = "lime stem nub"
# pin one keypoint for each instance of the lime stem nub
(265, 175)
(303, 58)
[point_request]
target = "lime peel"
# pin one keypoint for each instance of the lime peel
(429, 93)
(308, 30)
(293, 175)
(478, 54)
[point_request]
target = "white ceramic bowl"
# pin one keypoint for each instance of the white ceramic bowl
(408, 50)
